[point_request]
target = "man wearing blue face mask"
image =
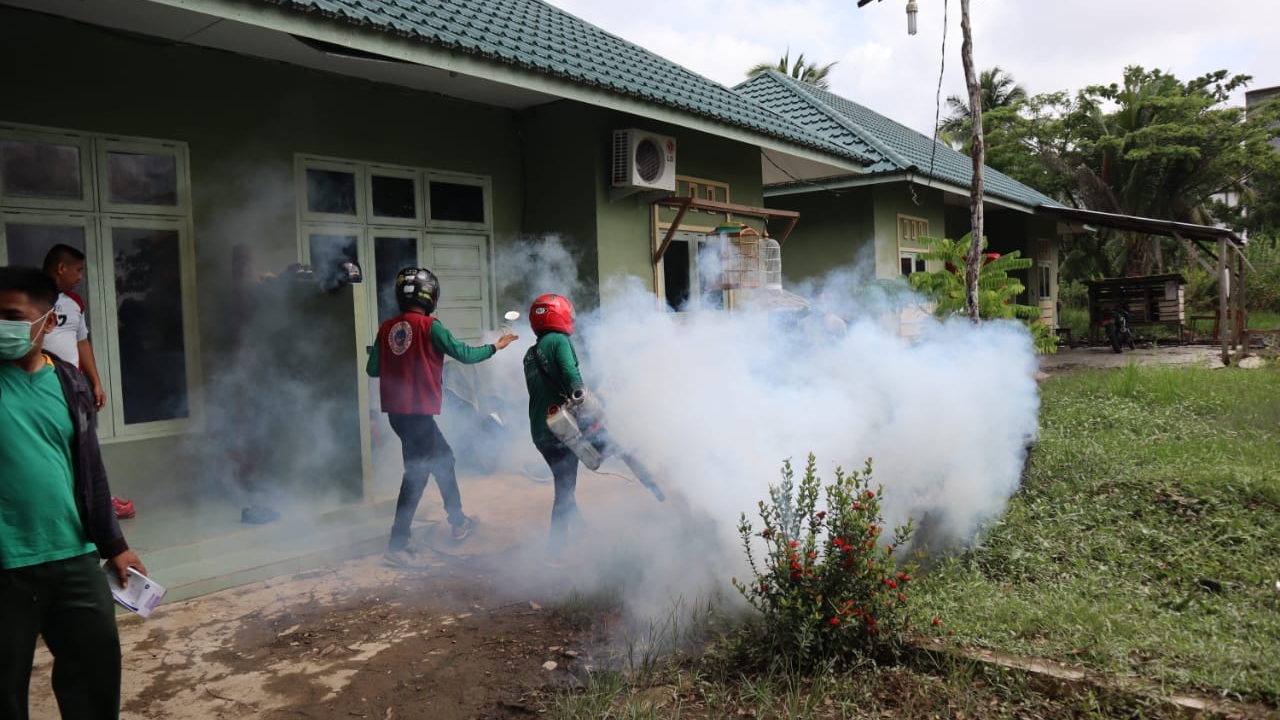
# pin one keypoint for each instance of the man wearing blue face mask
(58, 517)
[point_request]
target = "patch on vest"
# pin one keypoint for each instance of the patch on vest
(400, 337)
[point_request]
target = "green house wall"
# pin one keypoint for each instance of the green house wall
(244, 120)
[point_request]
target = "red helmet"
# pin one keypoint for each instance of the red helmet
(551, 313)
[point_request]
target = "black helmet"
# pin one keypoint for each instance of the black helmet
(417, 286)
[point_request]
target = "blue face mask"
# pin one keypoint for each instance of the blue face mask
(15, 337)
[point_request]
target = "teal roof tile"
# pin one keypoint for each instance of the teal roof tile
(890, 146)
(537, 36)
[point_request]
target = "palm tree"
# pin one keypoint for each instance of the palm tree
(999, 90)
(815, 75)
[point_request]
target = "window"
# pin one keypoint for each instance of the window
(386, 218)
(910, 249)
(124, 203)
(691, 271)
(1044, 268)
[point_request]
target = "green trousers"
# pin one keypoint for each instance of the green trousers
(66, 602)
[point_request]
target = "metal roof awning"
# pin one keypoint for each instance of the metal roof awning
(1229, 253)
(1136, 223)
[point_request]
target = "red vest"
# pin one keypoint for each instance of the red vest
(410, 366)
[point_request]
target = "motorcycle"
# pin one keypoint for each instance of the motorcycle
(1116, 322)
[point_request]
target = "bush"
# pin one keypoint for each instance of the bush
(1074, 295)
(828, 585)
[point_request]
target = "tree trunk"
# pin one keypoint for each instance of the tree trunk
(973, 263)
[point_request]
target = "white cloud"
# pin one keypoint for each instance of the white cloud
(1045, 45)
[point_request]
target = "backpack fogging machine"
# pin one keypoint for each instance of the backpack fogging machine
(579, 424)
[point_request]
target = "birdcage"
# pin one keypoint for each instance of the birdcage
(770, 262)
(740, 255)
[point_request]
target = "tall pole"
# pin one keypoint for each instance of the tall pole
(973, 262)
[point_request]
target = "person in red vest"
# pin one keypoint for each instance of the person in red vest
(408, 360)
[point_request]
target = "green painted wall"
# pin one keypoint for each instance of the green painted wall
(567, 151)
(856, 228)
(835, 229)
(243, 120)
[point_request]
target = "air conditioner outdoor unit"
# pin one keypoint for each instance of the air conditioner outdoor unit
(643, 161)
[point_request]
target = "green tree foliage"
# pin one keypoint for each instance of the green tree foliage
(997, 290)
(803, 71)
(999, 90)
(1151, 145)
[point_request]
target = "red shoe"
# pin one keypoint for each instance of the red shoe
(124, 508)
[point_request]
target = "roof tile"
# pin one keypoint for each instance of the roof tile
(891, 146)
(543, 38)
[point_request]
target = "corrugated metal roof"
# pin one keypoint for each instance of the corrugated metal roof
(534, 35)
(890, 146)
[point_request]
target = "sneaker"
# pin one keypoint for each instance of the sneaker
(124, 508)
(461, 532)
(405, 558)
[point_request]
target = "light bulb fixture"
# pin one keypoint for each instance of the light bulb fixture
(912, 9)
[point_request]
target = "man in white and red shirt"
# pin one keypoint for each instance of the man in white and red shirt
(70, 339)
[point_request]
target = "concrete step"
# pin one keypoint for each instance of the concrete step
(227, 553)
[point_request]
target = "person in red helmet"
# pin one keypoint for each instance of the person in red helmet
(408, 359)
(551, 374)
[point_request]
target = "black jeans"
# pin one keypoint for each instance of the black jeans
(425, 452)
(68, 603)
(564, 471)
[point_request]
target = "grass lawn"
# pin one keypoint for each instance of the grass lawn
(1147, 541)
(1145, 544)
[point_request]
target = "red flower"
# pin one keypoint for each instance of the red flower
(794, 544)
(822, 514)
(813, 555)
(870, 494)
(902, 598)
(937, 621)
(766, 533)
(857, 506)
(872, 529)
(835, 621)
(764, 588)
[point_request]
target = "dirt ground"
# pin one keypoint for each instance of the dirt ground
(451, 641)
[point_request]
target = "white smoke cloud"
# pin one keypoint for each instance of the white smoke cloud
(713, 403)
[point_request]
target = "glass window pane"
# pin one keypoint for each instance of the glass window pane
(27, 244)
(328, 252)
(390, 256)
(331, 191)
(142, 179)
(394, 197)
(40, 170)
(454, 202)
(675, 274)
(153, 354)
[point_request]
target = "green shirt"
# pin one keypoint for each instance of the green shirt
(560, 363)
(39, 521)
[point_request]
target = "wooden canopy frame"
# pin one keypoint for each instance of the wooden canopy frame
(1229, 255)
(684, 204)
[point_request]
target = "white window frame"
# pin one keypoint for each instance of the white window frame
(312, 162)
(105, 257)
(98, 216)
(24, 133)
(483, 183)
(419, 202)
(910, 229)
(109, 145)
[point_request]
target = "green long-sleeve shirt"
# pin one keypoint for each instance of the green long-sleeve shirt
(559, 376)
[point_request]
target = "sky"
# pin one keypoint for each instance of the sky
(1046, 46)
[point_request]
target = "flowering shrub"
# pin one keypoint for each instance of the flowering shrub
(828, 583)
